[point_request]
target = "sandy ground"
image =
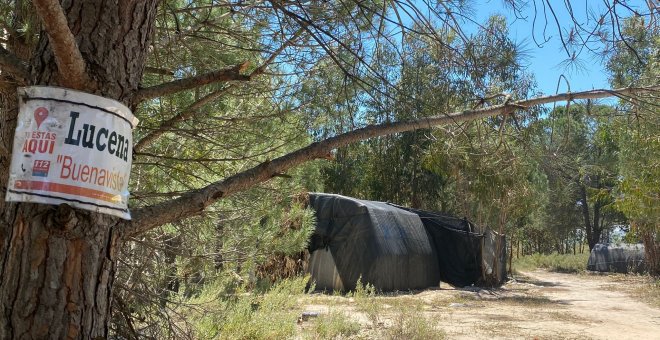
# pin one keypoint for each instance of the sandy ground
(537, 305)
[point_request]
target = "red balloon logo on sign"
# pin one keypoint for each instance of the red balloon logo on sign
(40, 114)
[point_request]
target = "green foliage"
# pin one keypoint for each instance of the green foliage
(269, 230)
(434, 170)
(637, 62)
(579, 155)
(176, 262)
(245, 125)
(334, 325)
(363, 290)
(367, 301)
(563, 263)
(248, 315)
(346, 65)
(414, 325)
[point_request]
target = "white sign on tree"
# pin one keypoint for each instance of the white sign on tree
(72, 147)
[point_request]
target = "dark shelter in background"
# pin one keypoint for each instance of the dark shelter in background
(617, 258)
(381, 244)
(457, 245)
(395, 248)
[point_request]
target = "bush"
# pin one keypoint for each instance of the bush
(271, 315)
(413, 325)
(334, 325)
(367, 301)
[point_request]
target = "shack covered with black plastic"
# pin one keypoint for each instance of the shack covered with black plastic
(617, 258)
(382, 244)
(458, 247)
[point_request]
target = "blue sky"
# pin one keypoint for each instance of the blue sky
(546, 62)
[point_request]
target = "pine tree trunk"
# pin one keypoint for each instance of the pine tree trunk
(591, 238)
(57, 263)
(58, 267)
(651, 241)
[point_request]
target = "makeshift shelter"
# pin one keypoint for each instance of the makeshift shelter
(617, 258)
(457, 245)
(397, 248)
(372, 241)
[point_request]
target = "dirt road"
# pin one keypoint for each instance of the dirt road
(547, 305)
(600, 307)
(537, 305)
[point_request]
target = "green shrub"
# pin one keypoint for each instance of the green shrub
(334, 325)
(413, 325)
(367, 301)
(271, 315)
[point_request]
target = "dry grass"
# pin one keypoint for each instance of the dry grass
(526, 300)
(643, 287)
(497, 328)
(524, 308)
(650, 292)
(566, 317)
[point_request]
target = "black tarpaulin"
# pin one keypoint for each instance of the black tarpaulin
(379, 243)
(617, 258)
(457, 246)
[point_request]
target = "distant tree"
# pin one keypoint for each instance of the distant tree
(636, 62)
(580, 159)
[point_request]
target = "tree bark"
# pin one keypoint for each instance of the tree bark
(57, 264)
(586, 215)
(57, 268)
(597, 227)
(592, 228)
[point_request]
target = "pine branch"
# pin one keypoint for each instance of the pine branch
(192, 110)
(232, 73)
(196, 201)
(68, 58)
(14, 66)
